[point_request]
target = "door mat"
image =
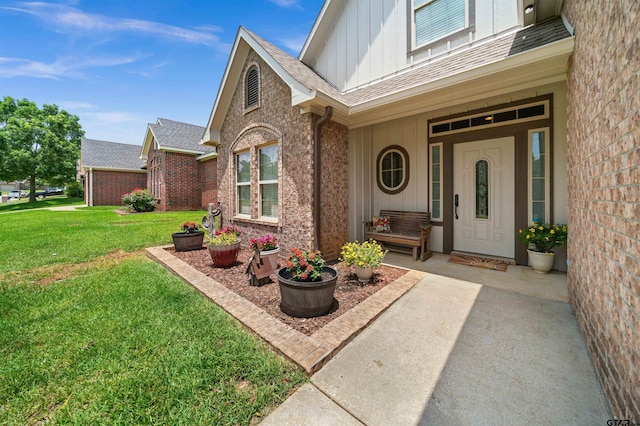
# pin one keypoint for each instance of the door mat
(479, 262)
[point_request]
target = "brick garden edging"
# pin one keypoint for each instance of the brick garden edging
(308, 352)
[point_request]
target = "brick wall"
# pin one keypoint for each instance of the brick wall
(277, 121)
(180, 188)
(335, 186)
(208, 182)
(110, 186)
(604, 192)
(182, 182)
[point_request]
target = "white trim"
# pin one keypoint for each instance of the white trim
(114, 169)
(209, 156)
(236, 156)
(90, 186)
(547, 173)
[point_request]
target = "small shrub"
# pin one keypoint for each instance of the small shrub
(75, 190)
(139, 200)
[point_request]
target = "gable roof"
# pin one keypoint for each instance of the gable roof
(98, 154)
(175, 136)
(509, 51)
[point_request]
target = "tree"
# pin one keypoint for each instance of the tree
(38, 143)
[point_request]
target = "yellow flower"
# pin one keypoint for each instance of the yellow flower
(528, 236)
(541, 228)
(552, 232)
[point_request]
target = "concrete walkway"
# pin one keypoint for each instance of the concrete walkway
(452, 351)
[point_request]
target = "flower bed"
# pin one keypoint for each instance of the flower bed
(349, 291)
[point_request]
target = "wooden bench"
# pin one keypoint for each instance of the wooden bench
(410, 233)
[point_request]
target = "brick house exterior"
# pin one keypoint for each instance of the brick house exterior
(276, 121)
(440, 100)
(109, 171)
(604, 192)
(180, 172)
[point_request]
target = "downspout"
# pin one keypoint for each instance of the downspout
(90, 186)
(317, 173)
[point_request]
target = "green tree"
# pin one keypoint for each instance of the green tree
(41, 144)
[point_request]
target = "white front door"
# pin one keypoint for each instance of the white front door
(483, 186)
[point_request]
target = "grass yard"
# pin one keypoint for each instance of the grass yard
(92, 332)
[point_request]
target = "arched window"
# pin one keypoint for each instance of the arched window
(252, 88)
(393, 169)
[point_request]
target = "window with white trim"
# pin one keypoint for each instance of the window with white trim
(539, 169)
(243, 183)
(435, 177)
(268, 180)
(155, 177)
(436, 19)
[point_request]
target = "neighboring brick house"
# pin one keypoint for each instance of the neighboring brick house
(181, 173)
(109, 171)
(488, 121)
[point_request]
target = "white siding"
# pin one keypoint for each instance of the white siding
(365, 143)
(369, 39)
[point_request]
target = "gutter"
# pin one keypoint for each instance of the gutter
(317, 174)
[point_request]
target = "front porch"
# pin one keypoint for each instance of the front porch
(518, 279)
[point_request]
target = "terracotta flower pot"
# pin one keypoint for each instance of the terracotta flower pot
(224, 256)
(307, 298)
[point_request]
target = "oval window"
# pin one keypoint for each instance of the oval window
(393, 169)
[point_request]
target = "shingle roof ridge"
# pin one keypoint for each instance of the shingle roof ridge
(296, 68)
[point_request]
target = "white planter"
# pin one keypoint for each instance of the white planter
(364, 274)
(540, 262)
(272, 256)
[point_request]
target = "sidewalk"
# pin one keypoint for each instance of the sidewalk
(455, 352)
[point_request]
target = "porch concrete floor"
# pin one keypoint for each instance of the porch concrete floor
(463, 346)
(518, 279)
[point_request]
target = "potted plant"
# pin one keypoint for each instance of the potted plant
(306, 284)
(540, 239)
(268, 247)
(190, 238)
(364, 257)
(224, 246)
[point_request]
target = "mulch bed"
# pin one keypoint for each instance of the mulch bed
(349, 291)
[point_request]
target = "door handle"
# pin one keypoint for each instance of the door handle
(456, 202)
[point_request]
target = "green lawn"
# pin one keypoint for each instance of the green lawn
(116, 338)
(53, 201)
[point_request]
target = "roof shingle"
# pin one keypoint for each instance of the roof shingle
(109, 155)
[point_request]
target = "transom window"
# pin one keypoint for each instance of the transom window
(436, 19)
(393, 169)
(252, 88)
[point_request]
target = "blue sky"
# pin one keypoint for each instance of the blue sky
(119, 65)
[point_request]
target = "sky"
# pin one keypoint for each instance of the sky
(120, 64)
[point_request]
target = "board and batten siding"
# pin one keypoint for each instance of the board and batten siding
(365, 143)
(369, 40)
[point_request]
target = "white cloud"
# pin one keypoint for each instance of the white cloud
(287, 3)
(62, 67)
(114, 117)
(75, 105)
(294, 43)
(67, 18)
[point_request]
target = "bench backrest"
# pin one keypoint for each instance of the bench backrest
(404, 222)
